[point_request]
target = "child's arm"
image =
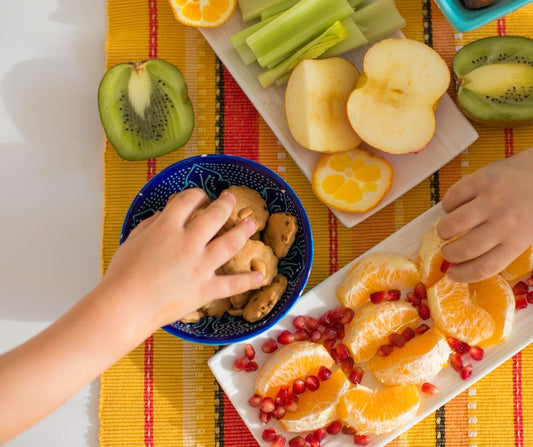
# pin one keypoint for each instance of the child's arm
(493, 208)
(165, 270)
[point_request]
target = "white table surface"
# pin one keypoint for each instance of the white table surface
(51, 143)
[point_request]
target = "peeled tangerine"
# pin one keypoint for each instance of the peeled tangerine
(393, 105)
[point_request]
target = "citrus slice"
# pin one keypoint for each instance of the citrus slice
(318, 408)
(495, 295)
(521, 266)
(354, 181)
(289, 363)
(374, 273)
(430, 257)
(378, 412)
(417, 362)
(203, 13)
(456, 315)
(372, 325)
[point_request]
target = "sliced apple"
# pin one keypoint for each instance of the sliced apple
(393, 105)
(315, 104)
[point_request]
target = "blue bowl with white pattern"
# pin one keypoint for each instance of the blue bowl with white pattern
(213, 174)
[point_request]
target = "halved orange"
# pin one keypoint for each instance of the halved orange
(372, 325)
(289, 363)
(354, 181)
(495, 295)
(318, 408)
(521, 266)
(417, 362)
(430, 257)
(379, 412)
(456, 315)
(203, 13)
(374, 273)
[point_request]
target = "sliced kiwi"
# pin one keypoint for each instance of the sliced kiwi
(494, 80)
(145, 109)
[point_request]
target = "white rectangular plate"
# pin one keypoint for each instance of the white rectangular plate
(453, 132)
(240, 386)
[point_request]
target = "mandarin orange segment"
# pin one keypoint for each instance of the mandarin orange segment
(430, 257)
(376, 272)
(495, 295)
(456, 315)
(318, 408)
(340, 180)
(521, 266)
(203, 13)
(377, 412)
(289, 363)
(372, 325)
(418, 361)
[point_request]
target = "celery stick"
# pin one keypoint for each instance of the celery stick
(246, 55)
(280, 7)
(334, 34)
(355, 39)
(355, 3)
(378, 19)
(251, 9)
(295, 27)
(238, 40)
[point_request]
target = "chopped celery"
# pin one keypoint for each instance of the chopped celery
(378, 19)
(252, 9)
(355, 3)
(355, 39)
(295, 27)
(238, 40)
(280, 7)
(333, 35)
(246, 55)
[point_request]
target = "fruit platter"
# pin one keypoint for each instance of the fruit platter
(314, 380)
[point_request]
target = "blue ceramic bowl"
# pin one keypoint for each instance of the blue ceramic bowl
(214, 173)
(464, 19)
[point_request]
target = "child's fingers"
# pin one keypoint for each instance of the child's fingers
(144, 225)
(179, 210)
(223, 248)
(229, 285)
(473, 244)
(207, 224)
(462, 219)
(460, 193)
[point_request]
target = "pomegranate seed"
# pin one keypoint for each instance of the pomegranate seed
(413, 299)
(301, 335)
(320, 434)
(476, 352)
(285, 337)
(419, 330)
(455, 361)
(337, 314)
(378, 297)
(279, 412)
(311, 323)
(347, 365)
(466, 372)
(529, 281)
(385, 350)
(520, 288)
(240, 363)
(311, 439)
(420, 291)
(423, 311)
(249, 351)
(269, 434)
(324, 373)
(312, 383)
(278, 442)
(299, 322)
(347, 316)
(281, 396)
(316, 335)
(445, 266)
(329, 334)
(334, 428)
(298, 441)
(529, 297)
(264, 417)
(430, 389)
(329, 345)
(325, 320)
(251, 367)
(408, 334)
(255, 400)
(267, 405)
(520, 302)
(458, 346)
(396, 340)
(292, 402)
(394, 295)
(298, 387)
(342, 351)
(361, 439)
(348, 430)
(269, 346)
(356, 375)
(339, 329)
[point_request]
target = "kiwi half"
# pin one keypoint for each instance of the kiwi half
(494, 80)
(145, 109)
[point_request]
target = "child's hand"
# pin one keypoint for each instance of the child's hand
(493, 208)
(169, 262)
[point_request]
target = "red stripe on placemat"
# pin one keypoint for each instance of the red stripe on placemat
(508, 138)
(236, 434)
(333, 244)
(517, 401)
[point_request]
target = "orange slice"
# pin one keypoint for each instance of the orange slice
(376, 272)
(372, 325)
(379, 412)
(289, 363)
(430, 257)
(203, 13)
(455, 314)
(521, 266)
(318, 408)
(353, 181)
(417, 362)
(495, 295)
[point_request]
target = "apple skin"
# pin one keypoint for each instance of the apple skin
(315, 104)
(393, 105)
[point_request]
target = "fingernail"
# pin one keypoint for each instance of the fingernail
(230, 196)
(251, 224)
(260, 277)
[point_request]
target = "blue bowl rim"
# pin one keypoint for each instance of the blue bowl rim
(307, 233)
